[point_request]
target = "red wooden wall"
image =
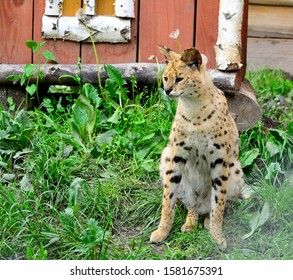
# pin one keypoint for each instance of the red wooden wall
(197, 20)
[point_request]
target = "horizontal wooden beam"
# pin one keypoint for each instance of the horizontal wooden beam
(272, 2)
(242, 103)
(270, 21)
(146, 73)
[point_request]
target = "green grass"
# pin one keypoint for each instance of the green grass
(77, 192)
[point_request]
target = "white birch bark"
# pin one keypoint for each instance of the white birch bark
(228, 47)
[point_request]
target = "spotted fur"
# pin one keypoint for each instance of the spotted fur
(200, 165)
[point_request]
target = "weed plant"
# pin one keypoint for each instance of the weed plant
(81, 180)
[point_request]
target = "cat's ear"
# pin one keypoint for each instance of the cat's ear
(192, 58)
(168, 53)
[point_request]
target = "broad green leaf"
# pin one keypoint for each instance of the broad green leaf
(147, 137)
(47, 102)
(31, 44)
(11, 103)
(22, 118)
(110, 88)
(248, 157)
(67, 150)
(26, 185)
(81, 112)
(92, 93)
(273, 169)
(272, 148)
(69, 212)
(290, 129)
(41, 74)
(76, 135)
(106, 137)
(141, 154)
(49, 56)
(15, 77)
(29, 69)
(116, 116)
(115, 75)
(23, 79)
(34, 46)
(147, 165)
(258, 220)
(74, 190)
(76, 78)
(31, 89)
(84, 118)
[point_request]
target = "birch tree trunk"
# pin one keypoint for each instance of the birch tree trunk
(228, 47)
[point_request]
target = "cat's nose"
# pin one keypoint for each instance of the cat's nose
(168, 90)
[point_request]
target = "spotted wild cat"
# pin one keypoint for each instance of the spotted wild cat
(200, 166)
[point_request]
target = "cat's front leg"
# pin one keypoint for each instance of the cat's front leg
(220, 176)
(168, 209)
(171, 180)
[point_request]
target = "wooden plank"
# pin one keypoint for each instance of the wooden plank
(272, 2)
(158, 19)
(207, 14)
(270, 21)
(16, 21)
(272, 53)
(113, 53)
(146, 74)
(105, 7)
(64, 51)
(70, 7)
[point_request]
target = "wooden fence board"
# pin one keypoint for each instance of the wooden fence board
(270, 21)
(207, 14)
(113, 53)
(64, 51)
(16, 28)
(158, 19)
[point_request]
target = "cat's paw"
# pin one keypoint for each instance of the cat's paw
(221, 242)
(188, 227)
(158, 236)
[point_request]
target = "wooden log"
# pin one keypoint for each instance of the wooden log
(244, 107)
(146, 73)
(242, 103)
(228, 46)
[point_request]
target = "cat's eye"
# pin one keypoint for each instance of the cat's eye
(165, 78)
(178, 80)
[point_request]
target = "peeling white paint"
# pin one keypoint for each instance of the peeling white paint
(124, 8)
(53, 7)
(102, 28)
(113, 29)
(228, 46)
(90, 7)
